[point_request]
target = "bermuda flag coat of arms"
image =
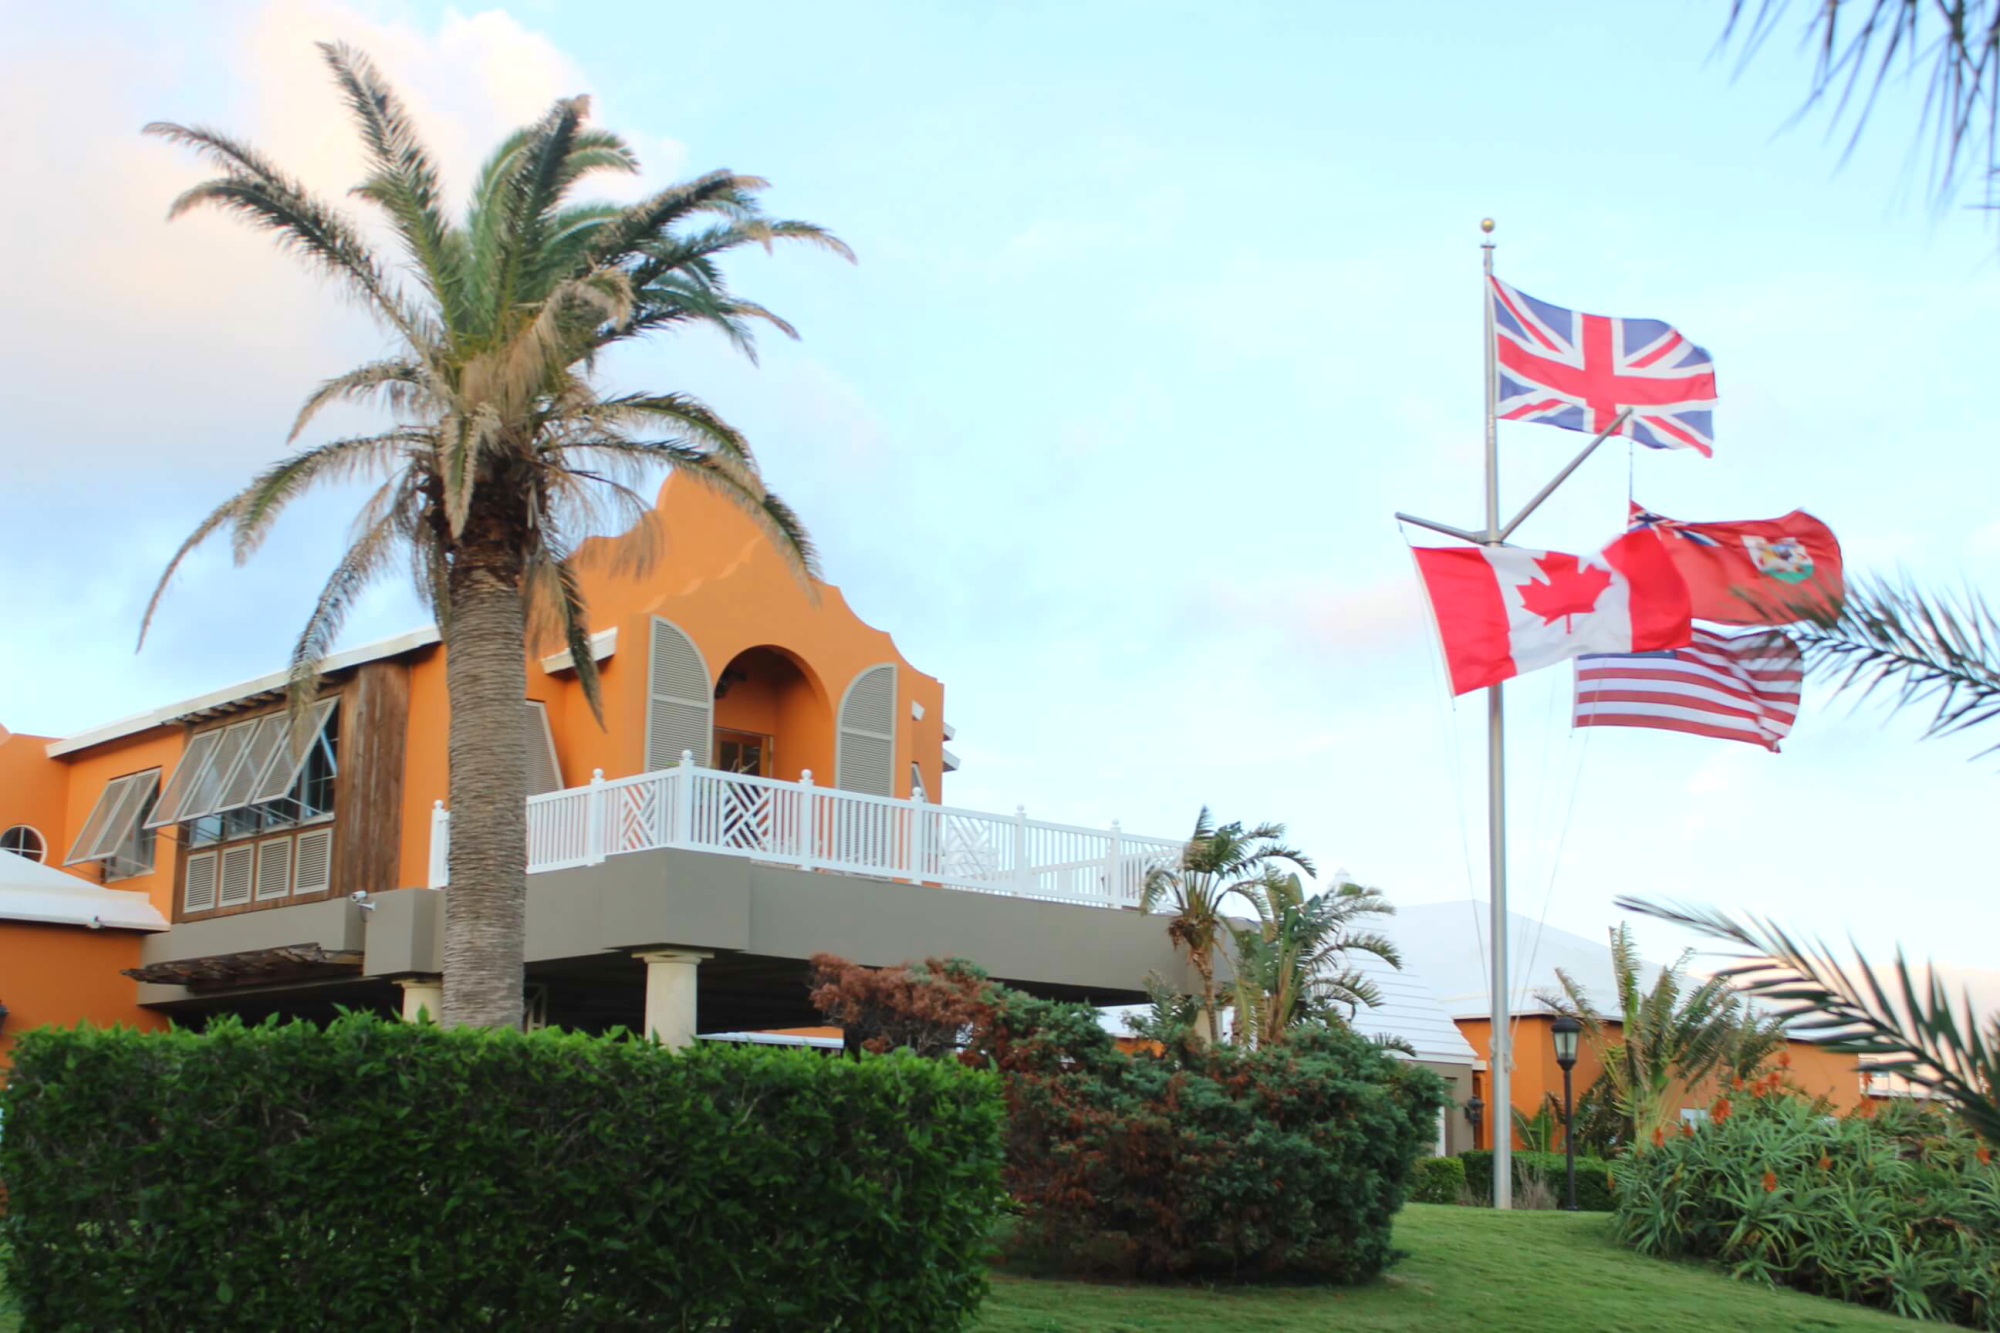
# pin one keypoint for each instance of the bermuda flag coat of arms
(1502, 611)
(1580, 371)
(1766, 571)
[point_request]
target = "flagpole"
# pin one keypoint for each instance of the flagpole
(1500, 1057)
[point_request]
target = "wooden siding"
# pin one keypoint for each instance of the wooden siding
(368, 795)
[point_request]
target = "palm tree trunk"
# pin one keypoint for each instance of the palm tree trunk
(486, 676)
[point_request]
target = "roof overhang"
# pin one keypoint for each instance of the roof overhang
(30, 891)
(602, 645)
(242, 692)
(290, 962)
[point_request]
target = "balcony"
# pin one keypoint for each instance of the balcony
(802, 825)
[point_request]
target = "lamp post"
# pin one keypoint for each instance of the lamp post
(1564, 1032)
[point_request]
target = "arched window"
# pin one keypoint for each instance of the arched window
(25, 842)
(680, 700)
(866, 758)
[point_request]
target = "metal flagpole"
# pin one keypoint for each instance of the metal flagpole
(1499, 1058)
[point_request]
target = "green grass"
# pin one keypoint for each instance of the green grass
(1469, 1268)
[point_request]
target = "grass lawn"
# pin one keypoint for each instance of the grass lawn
(1468, 1268)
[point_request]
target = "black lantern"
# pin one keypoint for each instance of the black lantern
(1475, 1112)
(1564, 1033)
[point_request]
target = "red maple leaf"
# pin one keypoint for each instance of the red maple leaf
(1571, 590)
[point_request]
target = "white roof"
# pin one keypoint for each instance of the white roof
(276, 680)
(30, 891)
(1449, 945)
(1410, 1009)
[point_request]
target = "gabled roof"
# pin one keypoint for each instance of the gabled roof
(1448, 944)
(1409, 1010)
(30, 891)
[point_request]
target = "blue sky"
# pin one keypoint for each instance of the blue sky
(1161, 312)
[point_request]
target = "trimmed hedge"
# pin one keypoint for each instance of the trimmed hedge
(1900, 1211)
(1595, 1189)
(376, 1174)
(1437, 1180)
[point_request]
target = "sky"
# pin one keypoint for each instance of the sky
(1161, 311)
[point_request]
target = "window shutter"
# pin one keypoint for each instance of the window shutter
(205, 792)
(286, 763)
(315, 862)
(918, 792)
(238, 869)
(114, 819)
(274, 868)
(258, 755)
(680, 703)
(866, 758)
(194, 759)
(544, 769)
(198, 894)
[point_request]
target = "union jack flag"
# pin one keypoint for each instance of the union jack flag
(1663, 527)
(1580, 371)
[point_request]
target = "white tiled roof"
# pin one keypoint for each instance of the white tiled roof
(33, 892)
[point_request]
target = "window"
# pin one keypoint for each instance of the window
(250, 777)
(25, 842)
(115, 832)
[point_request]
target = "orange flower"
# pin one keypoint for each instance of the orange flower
(1867, 1109)
(1784, 1059)
(1720, 1111)
(1736, 1082)
(1770, 1182)
(1659, 1136)
(1825, 1162)
(1984, 1154)
(1687, 1129)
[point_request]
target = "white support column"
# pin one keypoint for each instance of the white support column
(670, 995)
(422, 996)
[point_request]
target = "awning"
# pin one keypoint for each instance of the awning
(288, 962)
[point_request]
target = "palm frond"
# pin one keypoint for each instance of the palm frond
(1915, 1027)
(1937, 649)
(1854, 59)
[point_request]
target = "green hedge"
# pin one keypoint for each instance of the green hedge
(1437, 1180)
(1899, 1212)
(1595, 1187)
(382, 1175)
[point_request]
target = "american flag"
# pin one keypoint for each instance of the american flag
(1735, 687)
(1580, 371)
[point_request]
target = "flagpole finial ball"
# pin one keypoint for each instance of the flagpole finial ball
(1486, 225)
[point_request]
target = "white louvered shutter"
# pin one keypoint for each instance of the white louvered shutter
(286, 762)
(205, 793)
(680, 703)
(194, 760)
(239, 868)
(314, 858)
(274, 868)
(198, 893)
(258, 755)
(866, 758)
(544, 771)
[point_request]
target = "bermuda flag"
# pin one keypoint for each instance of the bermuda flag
(1502, 611)
(1741, 687)
(1580, 371)
(1760, 571)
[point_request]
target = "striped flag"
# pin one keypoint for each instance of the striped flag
(1735, 687)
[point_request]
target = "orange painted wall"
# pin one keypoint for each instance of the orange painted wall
(1537, 1074)
(718, 578)
(34, 790)
(64, 974)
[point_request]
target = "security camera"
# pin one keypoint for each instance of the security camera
(361, 900)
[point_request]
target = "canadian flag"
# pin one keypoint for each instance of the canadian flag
(1502, 611)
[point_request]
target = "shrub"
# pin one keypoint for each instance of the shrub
(375, 1174)
(1438, 1180)
(1901, 1212)
(1595, 1183)
(1182, 1160)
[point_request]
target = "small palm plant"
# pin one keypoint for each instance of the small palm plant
(503, 455)
(1907, 1027)
(1218, 863)
(1666, 1039)
(1290, 963)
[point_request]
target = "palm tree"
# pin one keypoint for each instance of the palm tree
(502, 455)
(1290, 962)
(1669, 1038)
(1911, 1028)
(1217, 864)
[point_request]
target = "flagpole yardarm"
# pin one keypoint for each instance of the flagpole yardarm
(1500, 1055)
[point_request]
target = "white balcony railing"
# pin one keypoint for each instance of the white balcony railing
(824, 828)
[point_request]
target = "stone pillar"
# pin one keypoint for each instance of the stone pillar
(670, 995)
(424, 992)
